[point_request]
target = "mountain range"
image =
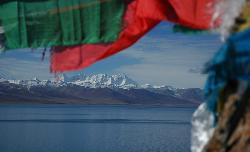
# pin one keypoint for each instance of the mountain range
(95, 89)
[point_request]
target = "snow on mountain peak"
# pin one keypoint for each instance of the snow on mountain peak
(2, 80)
(104, 81)
(149, 86)
(61, 78)
(90, 81)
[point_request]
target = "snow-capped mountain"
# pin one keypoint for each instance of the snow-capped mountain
(149, 86)
(104, 81)
(99, 88)
(90, 81)
(34, 82)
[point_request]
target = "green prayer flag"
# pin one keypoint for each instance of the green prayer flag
(46, 23)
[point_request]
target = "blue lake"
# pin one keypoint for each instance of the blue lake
(94, 128)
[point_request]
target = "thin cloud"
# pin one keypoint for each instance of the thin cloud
(161, 57)
(197, 70)
(170, 60)
(12, 68)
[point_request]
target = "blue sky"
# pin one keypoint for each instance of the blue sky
(160, 58)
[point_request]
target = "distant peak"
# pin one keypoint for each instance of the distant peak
(100, 80)
(103, 81)
(61, 78)
(35, 79)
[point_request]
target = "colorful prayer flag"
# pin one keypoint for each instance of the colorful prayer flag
(140, 17)
(78, 57)
(231, 62)
(33, 24)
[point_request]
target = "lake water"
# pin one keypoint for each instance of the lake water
(94, 128)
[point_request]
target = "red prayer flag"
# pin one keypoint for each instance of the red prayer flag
(196, 14)
(140, 17)
(79, 57)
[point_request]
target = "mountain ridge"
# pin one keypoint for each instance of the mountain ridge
(95, 89)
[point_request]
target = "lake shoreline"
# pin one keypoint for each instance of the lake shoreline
(89, 104)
